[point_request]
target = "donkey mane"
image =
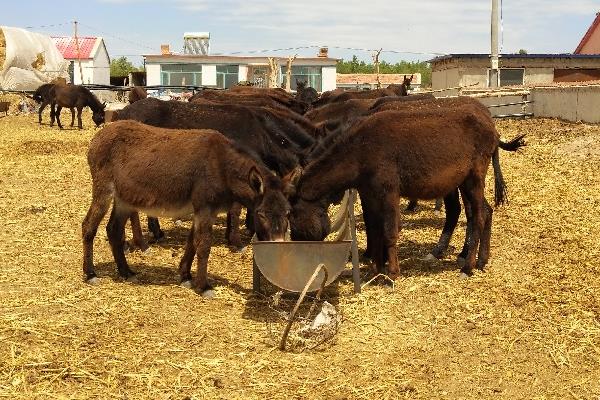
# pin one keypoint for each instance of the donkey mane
(92, 100)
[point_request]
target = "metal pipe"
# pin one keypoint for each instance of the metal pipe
(494, 71)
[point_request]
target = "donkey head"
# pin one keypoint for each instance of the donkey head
(308, 219)
(98, 115)
(272, 208)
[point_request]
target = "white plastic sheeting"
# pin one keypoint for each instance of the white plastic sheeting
(28, 59)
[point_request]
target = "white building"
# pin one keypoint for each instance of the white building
(222, 71)
(95, 63)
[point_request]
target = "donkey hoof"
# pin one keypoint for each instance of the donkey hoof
(429, 258)
(463, 276)
(186, 284)
(208, 294)
(147, 252)
(132, 279)
(93, 281)
(178, 223)
(239, 249)
(461, 261)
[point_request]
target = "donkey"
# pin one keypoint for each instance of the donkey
(137, 93)
(75, 96)
(277, 141)
(305, 93)
(172, 172)
(422, 156)
(42, 96)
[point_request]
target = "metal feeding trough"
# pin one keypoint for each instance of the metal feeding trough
(291, 265)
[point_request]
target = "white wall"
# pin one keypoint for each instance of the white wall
(574, 103)
(101, 67)
(328, 77)
(153, 74)
(209, 75)
(243, 73)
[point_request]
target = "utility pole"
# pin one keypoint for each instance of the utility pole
(494, 70)
(78, 53)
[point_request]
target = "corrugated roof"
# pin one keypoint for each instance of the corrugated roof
(66, 45)
(513, 56)
(588, 34)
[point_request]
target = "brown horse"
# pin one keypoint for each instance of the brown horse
(422, 155)
(42, 96)
(78, 97)
(173, 172)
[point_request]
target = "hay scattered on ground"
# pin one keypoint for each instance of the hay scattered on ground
(529, 327)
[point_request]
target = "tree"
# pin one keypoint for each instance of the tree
(122, 67)
(522, 51)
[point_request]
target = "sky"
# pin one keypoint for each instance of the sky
(405, 29)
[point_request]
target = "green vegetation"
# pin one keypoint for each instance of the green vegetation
(355, 66)
(122, 67)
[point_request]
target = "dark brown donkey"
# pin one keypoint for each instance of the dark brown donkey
(78, 97)
(421, 156)
(42, 96)
(176, 172)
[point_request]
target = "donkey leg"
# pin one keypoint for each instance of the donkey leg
(412, 205)
(57, 116)
(42, 106)
(79, 123)
(203, 225)
(52, 114)
(115, 230)
(390, 232)
(232, 232)
(475, 194)
(484, 245)
(154, 227)
(72, 116)
(372, 220)
(185, 265)
(136, 230)
(100, 203)
(462, 256)
(452, 207)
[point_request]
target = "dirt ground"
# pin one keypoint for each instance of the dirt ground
(529, 327)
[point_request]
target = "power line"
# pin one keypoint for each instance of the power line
(48, 26)
(117, 37)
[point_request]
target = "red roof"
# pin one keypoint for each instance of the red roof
(588, 34)
(68, 49)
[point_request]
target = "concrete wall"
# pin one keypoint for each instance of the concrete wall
(536, 76)
(505, 99)
(576, 103)
(445, 78)
(473, 77)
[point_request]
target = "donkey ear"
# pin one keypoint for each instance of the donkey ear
(256, 181)
(293, 177)
(291, 180)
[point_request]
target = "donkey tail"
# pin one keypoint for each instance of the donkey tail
(514, 144)
(500, 190)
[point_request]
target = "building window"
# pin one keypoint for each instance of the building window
(511, 76)
(181, 74)
(227, 76)
(312, 75)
